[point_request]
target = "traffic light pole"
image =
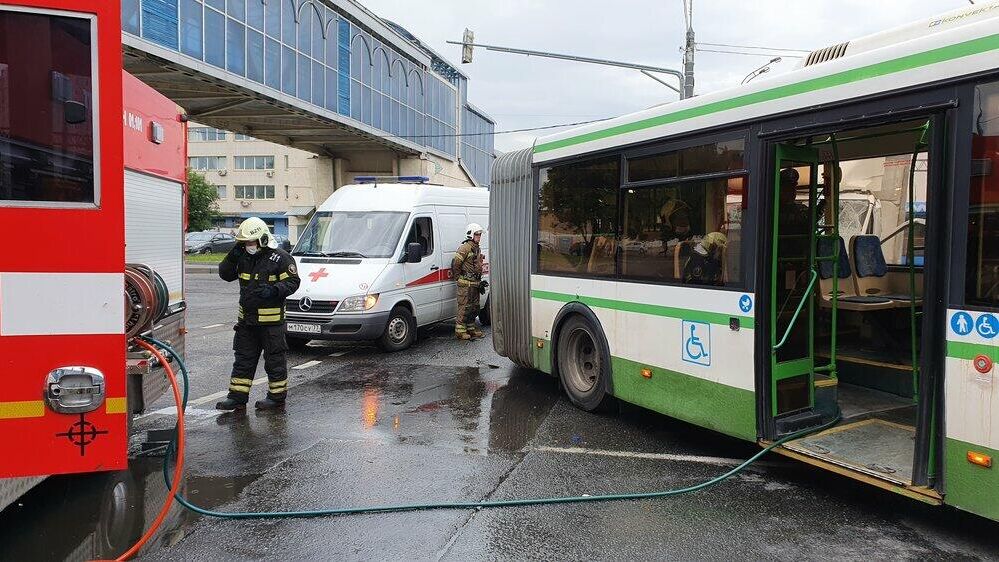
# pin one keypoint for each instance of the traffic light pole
(644, 68)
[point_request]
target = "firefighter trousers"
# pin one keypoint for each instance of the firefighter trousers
(248, 343)
(468, 308)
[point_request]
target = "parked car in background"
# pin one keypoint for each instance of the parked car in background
(283, 242)
(208, 242)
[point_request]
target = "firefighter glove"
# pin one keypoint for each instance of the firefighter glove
(483, 285)
(267, 291)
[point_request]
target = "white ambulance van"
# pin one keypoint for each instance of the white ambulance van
(375, 261)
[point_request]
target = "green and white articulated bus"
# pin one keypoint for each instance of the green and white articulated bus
(817, 246)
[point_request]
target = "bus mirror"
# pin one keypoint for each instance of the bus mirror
(74, 112)
(414, 252)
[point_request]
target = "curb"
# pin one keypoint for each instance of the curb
(201, 269)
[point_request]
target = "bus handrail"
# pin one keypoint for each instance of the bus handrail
(794, 319)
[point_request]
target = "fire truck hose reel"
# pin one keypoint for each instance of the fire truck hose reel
(147, 299)
(176, 449)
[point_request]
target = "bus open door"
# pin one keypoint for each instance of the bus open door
(62, 345)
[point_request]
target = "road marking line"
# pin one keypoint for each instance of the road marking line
(199, 401)
(211, 326)
(339, 353)
(721, 461)
(307, 365)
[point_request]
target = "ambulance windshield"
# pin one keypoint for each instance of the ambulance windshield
(352, 234)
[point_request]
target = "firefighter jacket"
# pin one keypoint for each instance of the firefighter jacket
(268, 268)
(466, 267)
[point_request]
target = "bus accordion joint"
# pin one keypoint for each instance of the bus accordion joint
(981, 459)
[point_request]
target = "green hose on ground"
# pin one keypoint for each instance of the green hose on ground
(446, 505)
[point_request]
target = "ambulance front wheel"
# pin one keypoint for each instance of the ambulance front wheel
(400, 330)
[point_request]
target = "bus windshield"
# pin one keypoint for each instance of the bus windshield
(356, 234)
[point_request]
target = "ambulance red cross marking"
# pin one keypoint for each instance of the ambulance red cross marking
(317, 275)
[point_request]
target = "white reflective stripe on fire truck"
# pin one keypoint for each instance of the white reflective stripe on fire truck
(45, 304)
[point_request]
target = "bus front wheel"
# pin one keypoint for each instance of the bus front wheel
(583, 367)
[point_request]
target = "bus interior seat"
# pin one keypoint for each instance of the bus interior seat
(872, 277)
(848, 298)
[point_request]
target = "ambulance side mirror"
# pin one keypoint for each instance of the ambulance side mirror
(414, 252)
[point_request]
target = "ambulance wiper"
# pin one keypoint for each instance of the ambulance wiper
(313, 254)
(347, 254)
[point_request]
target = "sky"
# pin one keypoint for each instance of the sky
(520, 92)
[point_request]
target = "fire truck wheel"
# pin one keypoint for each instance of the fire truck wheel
(118, 525)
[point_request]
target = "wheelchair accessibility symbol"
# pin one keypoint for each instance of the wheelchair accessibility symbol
(696, 343)
(987, 326)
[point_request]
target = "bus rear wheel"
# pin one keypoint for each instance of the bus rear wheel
(583, 367)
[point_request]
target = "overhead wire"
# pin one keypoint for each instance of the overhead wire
(760, 54)
(753, 47)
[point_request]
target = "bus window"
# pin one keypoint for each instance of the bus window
(46, 109)
(982, 282)
(671, 233)
(577, 220)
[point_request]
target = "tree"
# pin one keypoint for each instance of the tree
(202, 203)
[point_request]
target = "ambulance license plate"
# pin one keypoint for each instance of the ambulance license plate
(305, 328)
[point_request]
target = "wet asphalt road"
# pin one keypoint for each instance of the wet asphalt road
(451, 421)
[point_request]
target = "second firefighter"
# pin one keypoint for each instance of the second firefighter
(466, 269)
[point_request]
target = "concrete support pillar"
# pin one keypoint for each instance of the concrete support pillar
(325, 180)
(339, 167)
(412, 166)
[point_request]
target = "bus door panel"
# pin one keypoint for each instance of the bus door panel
(794, 279)
(62, 344)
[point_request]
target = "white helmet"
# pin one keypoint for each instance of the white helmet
(472, 229)
(254, 229)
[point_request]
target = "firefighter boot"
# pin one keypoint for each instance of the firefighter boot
(268, 404)
(229, 404)
(477, 333)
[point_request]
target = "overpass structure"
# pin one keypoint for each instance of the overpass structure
(326, 76)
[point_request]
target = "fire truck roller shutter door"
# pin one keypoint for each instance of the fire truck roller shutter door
(154, 218)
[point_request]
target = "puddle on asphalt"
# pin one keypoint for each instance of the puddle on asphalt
(99, 516)
(457, 407)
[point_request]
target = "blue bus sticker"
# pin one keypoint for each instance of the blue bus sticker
(961, 323)
(696, 343)
(987, 326)
(746, 303)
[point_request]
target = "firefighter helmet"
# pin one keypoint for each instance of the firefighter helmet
(254, 229)
(472, 229)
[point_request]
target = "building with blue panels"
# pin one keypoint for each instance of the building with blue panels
(325, 76)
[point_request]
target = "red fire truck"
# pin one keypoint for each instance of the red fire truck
(92, 192)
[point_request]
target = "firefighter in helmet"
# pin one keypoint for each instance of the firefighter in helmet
(267, 275)
(466, 269)
(705, 264)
